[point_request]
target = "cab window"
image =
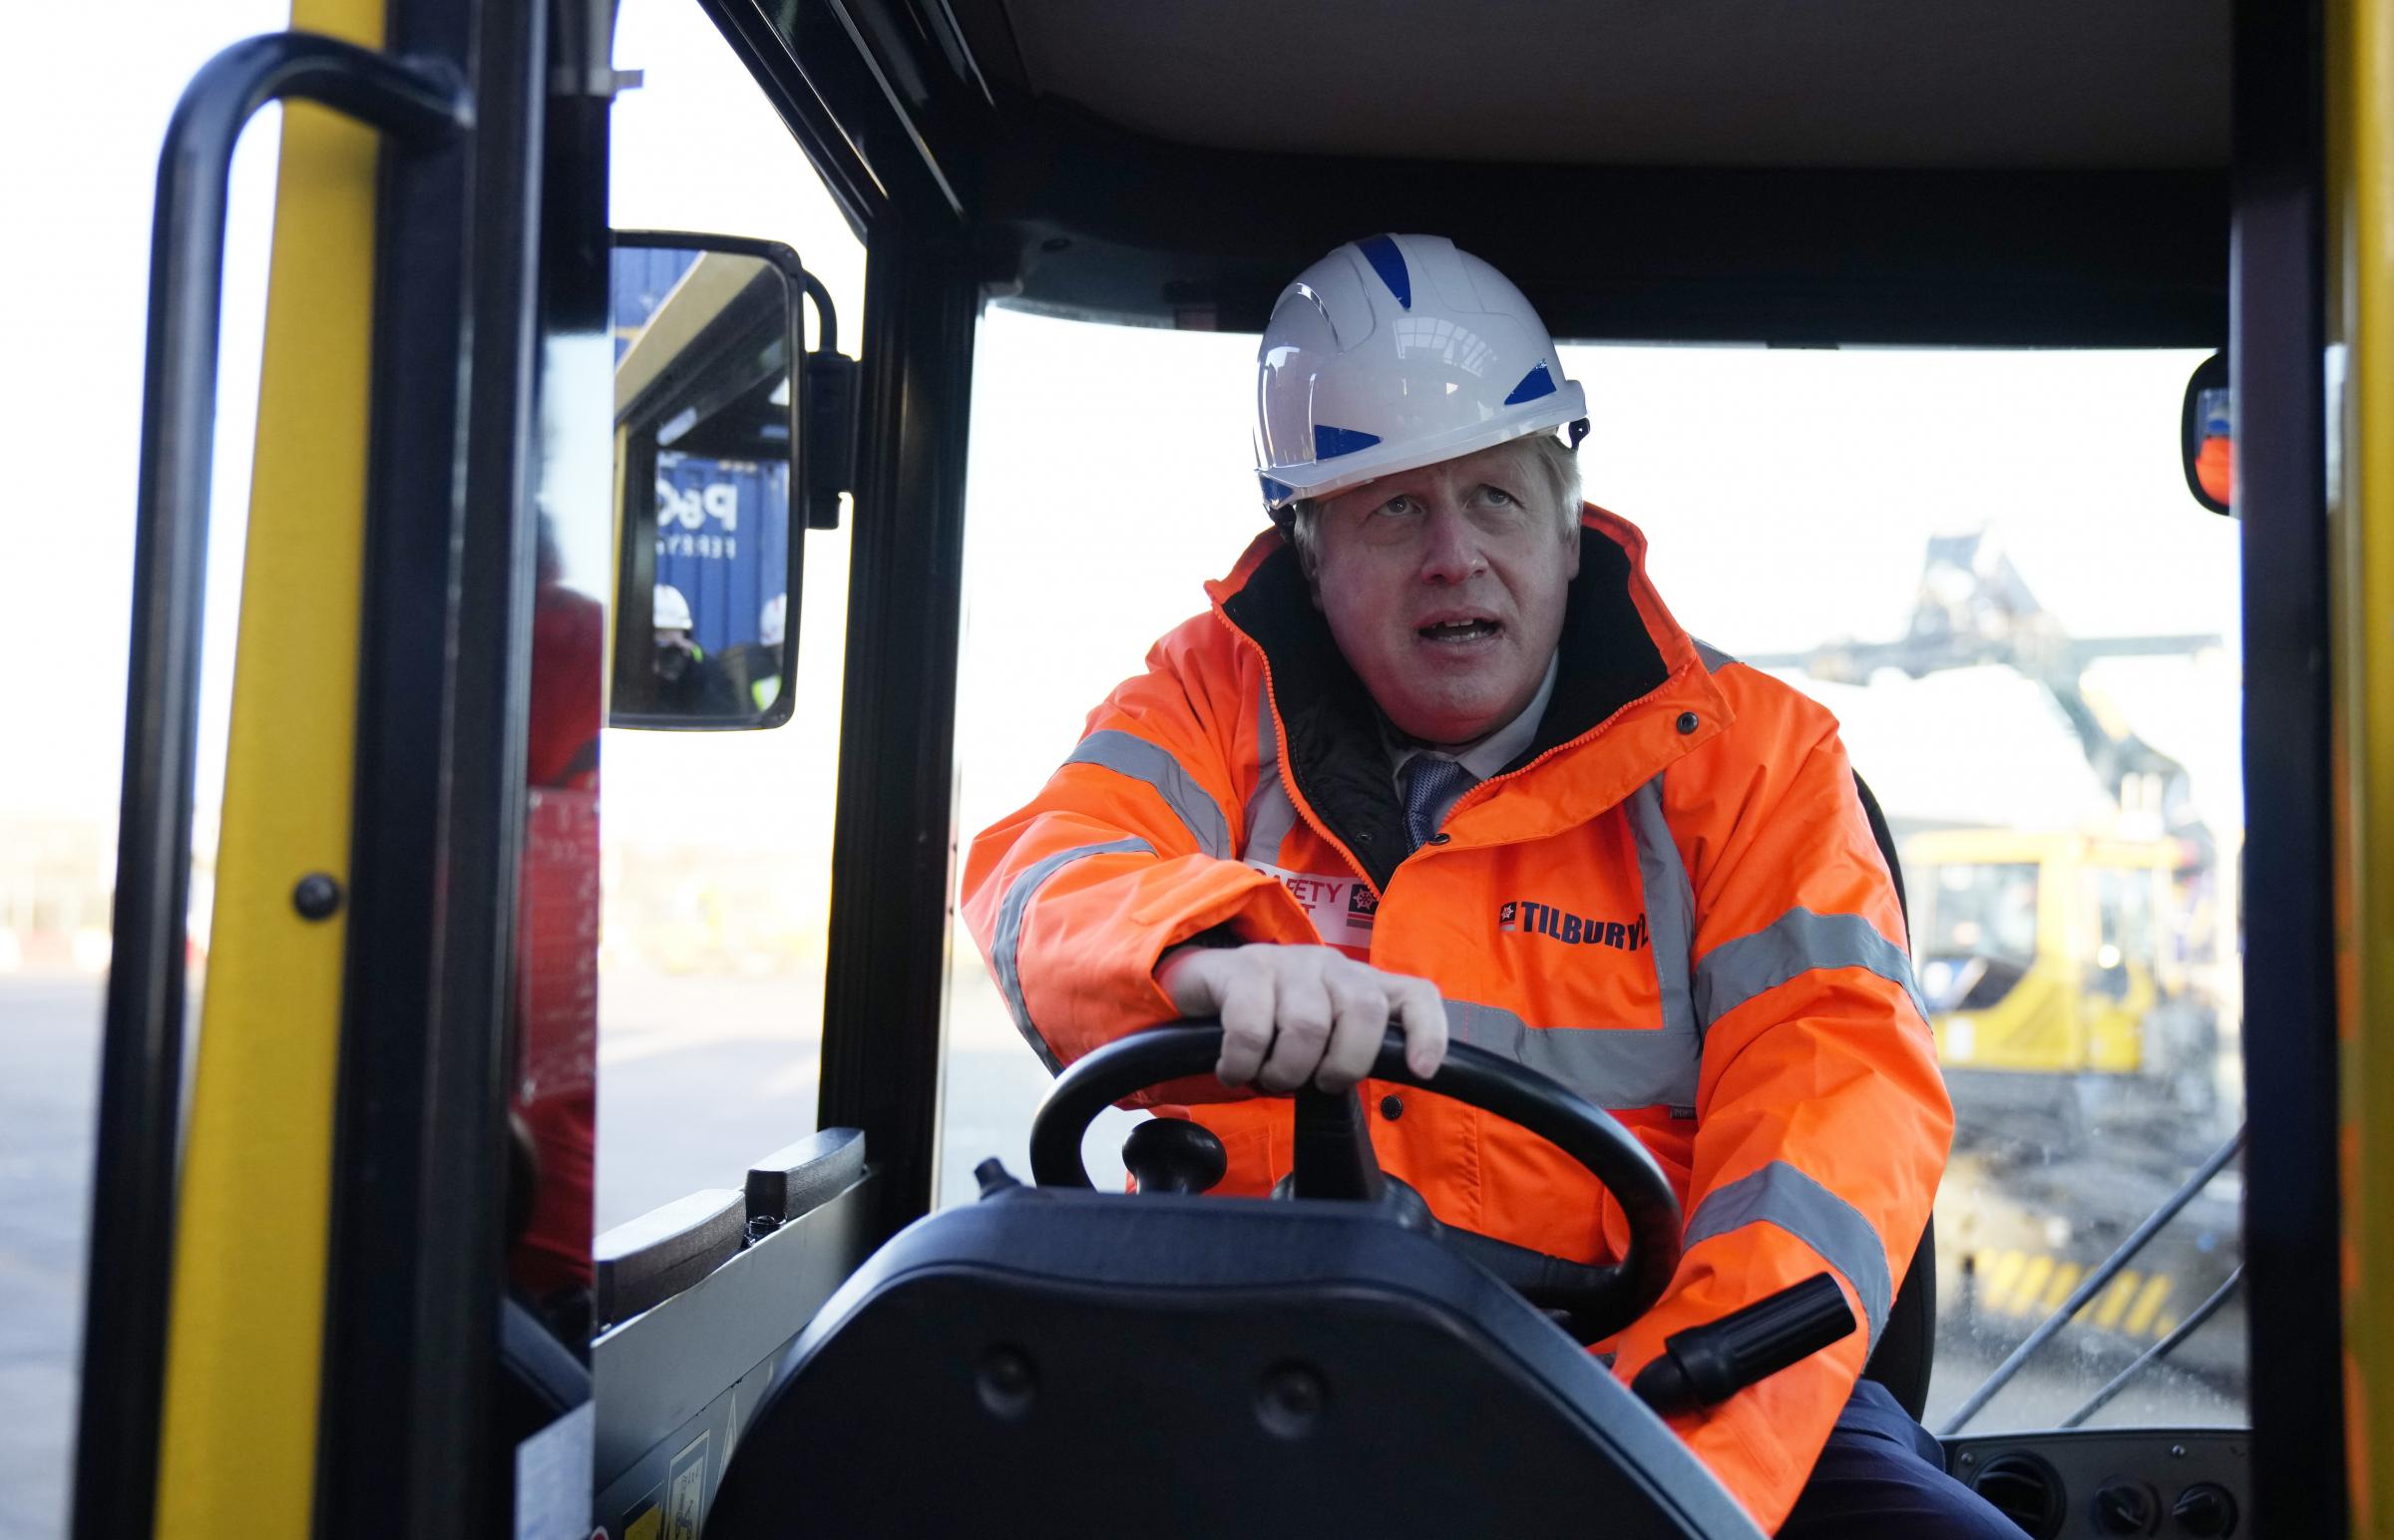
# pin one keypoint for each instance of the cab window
(1985, 564)
(716, 847)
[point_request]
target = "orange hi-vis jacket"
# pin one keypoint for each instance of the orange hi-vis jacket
(1671, 903)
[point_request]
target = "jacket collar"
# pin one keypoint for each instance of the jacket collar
(1630, 679)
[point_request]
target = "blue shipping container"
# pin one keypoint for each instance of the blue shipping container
(723, 540)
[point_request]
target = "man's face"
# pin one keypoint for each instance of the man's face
(1444, 588)
(672, 652)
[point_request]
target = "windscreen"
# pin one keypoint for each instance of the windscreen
(1986, 564)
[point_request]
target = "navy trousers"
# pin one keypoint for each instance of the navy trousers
(1881, 1477)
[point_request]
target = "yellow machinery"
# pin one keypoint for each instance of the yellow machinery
(2067, 951)
(2057, 953)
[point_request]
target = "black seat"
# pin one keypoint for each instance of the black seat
(1058, 1363)
(1907, 1345)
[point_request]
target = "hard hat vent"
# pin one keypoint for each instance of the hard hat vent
(1381, 251)
(1329, 443)
(1537, 382)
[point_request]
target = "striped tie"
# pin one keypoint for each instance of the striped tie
(1431, 787)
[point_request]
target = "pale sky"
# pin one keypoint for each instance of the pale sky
(82, 121)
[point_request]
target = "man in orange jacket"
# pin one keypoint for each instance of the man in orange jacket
(1439, 755)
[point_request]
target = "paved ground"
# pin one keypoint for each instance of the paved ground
(49, 1034)
(692, 1086)
(694, 1082)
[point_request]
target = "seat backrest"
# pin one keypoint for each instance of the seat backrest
(1907, 1346)
(1051, 1363)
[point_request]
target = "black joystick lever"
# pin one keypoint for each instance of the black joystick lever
(1704, 1364)
(1174, 1155)
(994, 1178)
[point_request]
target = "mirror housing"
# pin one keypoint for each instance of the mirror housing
(834, 389)
(2206, 434)
(715, 486)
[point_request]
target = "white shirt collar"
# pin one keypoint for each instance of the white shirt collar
(1499, 748)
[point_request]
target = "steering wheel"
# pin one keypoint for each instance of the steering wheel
(1334, 1159)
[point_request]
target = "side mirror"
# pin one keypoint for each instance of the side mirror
(2206, 434)
(717, 423)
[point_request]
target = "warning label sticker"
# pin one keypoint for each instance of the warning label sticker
(1342, 907)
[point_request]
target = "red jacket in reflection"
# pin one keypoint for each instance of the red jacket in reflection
(557, 975)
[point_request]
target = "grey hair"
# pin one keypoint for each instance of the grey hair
(1556, 462)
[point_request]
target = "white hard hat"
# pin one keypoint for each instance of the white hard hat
(671, 613)
(1394, 352)
(770, 624)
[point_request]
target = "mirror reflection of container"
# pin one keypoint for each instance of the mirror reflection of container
(722, 539)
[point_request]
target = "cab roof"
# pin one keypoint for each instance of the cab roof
(2042, 173)
(1841, 83)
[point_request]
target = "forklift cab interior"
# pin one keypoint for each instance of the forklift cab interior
(2047, 177)
(1024, 174)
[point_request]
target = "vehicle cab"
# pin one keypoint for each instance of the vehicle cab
(761, 432)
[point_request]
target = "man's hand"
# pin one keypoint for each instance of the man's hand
(1292, 1014)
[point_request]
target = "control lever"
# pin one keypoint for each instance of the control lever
(1174, 1155)
(1705, 1364)
(1330, 1152)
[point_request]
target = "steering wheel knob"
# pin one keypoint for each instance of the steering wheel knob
(1174, 1155)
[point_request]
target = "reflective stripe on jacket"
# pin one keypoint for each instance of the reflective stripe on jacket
(1670, 902)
